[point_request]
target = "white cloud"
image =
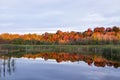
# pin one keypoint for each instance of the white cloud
(6, 24)
(3, 8)
(65, 15)
(93, 18)
(51, 13)
(25, 3)
(6, 16)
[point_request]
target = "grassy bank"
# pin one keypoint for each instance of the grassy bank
(111, 49)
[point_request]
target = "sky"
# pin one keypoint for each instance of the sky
(39, 16)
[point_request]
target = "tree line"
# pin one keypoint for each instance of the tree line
(97, 36)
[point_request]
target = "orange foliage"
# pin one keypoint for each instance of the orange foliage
(60, 57)
(99, 33)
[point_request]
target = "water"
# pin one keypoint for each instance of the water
(49, 68)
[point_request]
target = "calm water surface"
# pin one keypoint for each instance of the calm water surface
(40, 69)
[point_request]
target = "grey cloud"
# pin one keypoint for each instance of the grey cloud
(55, 14)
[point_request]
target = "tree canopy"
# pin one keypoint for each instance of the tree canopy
(99, 35)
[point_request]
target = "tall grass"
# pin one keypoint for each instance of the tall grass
(110, 49)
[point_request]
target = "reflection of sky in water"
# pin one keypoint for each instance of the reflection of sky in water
(38, 69)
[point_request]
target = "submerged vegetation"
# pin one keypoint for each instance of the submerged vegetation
(97, 36)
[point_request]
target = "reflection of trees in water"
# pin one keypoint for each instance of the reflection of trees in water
(112, 56)
(7, 66)
(97, 60)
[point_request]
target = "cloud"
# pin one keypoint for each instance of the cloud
(6, 16)
(94, 18)
(50, 15)
(6, 24)
(36, 30)
(27, 3)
